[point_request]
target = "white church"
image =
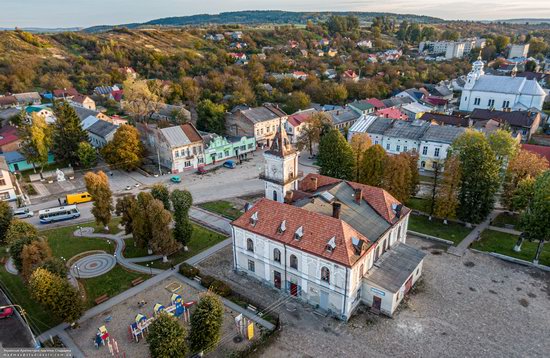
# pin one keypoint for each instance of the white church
(332, 243)
(499, 92)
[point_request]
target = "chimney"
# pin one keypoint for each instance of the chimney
(357, 195)
(289, 196)
(313, 184)
(336, 210)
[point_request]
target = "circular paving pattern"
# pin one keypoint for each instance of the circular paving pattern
(93, 266)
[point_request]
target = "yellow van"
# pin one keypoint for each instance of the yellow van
(78, 198)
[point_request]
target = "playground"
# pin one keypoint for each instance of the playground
(124, 327)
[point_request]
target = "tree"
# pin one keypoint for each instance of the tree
(360, 142)
(98, 187)
(412, 159)
(501, 42)
(296, 101)
(67, 134)
(125, 151)
(435, 187)
(373, 166)
(504, 146)
(126, 208)
(162, 242)
(56, 294)
(55, 266)
(183, 229)
(206, 323)
(523, 194)
(36, 141)
(523, 165)
(534, 220)
(33, 255)
(446, 201)
(480, 176)
(211, 117)
(141, 229)
(6, 215)
(166, 338)
(397, 177)
(87, 155)
(160, 192)
(19, 229)
(16, 248)
(311, 133)
(141, 98)
(336, 156)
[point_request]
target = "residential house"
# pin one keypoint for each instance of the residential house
(434, 144)
(83, 101)
(391, 112)
(440, 91)
(100, 133)
(105, 91)
(499, 92)
(362, 107)
(397, 101)
(7, 102)
(218, 148)
(518, 51)
(343, 118)
(378, 104)
(330, 73)
(9, 139)
(179, 148)
(332, 52)
(18, 163)
(128, 72)
(334, 244)
(7, 114)
(88, 121)
(28, 99)
(43, 111)
(350, 75)
(403, 136)
(364, 44)
(524, 123)
(360, 127)
(299, 75)
(259, 122)
(84, 113)
(415, 110)
(415, 94)
(171, 112)
(65, 93)
(7, 187)
(446, 119)
(296, 123)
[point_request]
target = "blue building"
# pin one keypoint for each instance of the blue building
(17, 162)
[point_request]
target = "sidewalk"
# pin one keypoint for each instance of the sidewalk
(460, 250)
(505, 230)
(210, 220)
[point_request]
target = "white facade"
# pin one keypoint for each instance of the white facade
(280, 174)
(431, 152)
(499, 92)
(454, 50)
(7, 189)
(518, 51)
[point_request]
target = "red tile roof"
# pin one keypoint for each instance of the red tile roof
(391, 112)
(191, 132)
(80, 98)
(68, 92)
(538, 149)
(299, 118)
(7, 100)
(8, 134)
(376, 103)
(318, 229)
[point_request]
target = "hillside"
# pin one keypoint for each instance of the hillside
(264, 17)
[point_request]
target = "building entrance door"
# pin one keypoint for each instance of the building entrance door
(293, 289)
(376, 303)
(277, 279)
(323, 302)
(408, 285)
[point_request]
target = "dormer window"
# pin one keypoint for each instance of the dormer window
(282, 227)
(331, 244)
(254, 219)
(357, 245)
(299, 233)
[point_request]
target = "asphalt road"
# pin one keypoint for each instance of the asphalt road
(13, 332)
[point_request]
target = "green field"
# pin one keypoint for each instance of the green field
(64, 244)
(503, 243)
(223, 208)
(419, 204)
(452, 231)
(131, 251)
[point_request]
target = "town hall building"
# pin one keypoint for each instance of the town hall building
(332, 243)
(499, 92)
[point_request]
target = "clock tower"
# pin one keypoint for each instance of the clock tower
(281, 167)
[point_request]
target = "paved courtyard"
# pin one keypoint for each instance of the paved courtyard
(469, 306)
(124, 313)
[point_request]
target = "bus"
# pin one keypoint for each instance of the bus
(78, 198)
(57, 214)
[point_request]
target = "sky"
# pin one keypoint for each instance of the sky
(85, 13)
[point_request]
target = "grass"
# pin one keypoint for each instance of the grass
(504, 219)
(131, 251)
(64, 244)
(419, 204)
(14, 287)
(112, 283)
(503, 243)
(452, 231)
(201, 240)
(223, 208)
(426, 178)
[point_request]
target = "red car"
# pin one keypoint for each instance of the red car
(6, 312)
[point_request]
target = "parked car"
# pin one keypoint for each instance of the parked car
(22, 213)
(6, 312)
(201, 170)
(230, 164)
(175, 179)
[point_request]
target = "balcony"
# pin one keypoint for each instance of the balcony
(289, 180)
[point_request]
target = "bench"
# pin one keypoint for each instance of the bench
(137, 281)
(101, 299)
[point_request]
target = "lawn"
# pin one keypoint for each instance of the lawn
(419, 204)
(201, 240)
(39, 319)
(503, 243)
(64, 244)
(131, 251)
(504, 219)
(452, 231)
(112, 283)
(223, 208)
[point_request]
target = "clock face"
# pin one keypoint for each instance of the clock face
(274, 170)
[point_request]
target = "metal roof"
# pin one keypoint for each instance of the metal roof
(442, 134)
(175, 136)
(405, 129)
(263, 113)
(393, 268)
(380, 125)
(361, 125)
(343, 116)
(101, 128)
(505, 84)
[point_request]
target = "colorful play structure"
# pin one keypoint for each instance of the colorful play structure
(103, 338)
(177, 308)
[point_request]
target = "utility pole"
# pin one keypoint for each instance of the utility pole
(158, 159)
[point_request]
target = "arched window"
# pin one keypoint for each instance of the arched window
(423, 164)
(293, 262)
(274, 195)
(277, 255)
(249, 245)
(325, 274)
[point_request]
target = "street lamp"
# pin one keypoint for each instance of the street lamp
(150, 268)
(77, 271)
(23, 314)
(115, 258)
(79, 229)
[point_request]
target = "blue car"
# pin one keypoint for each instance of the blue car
(230, 164)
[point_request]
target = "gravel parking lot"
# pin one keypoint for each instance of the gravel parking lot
(472, 306)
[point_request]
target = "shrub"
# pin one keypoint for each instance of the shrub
(207, 280)
(188, 270)
(221, 288)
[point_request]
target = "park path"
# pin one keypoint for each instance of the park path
(210, 220)
(505, 230)
(461, 248)
(10, 267)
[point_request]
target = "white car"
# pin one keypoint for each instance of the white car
(22, 213)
